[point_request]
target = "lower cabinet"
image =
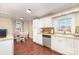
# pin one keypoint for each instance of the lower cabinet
(39, 38)
(58, 44)
(69, 46)
(63, 45)
(76, 47)
(35, 37)
(6, 47)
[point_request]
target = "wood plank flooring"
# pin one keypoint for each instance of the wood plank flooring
(30, 48)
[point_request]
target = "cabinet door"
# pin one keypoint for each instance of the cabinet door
(6, 47)
(46, 22)
(61, 45)
(41, 23)
(69, 46)
(35, 30)
(35, 37)
(58, 44)
(35, 24)
(39, 38)
(54, 43)
(76, 46)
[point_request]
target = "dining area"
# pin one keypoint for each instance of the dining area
(20, 37)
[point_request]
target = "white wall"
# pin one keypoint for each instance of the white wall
(77, 19)
(6, 23)
(28, 27)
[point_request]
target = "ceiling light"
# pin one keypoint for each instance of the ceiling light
(28, 11)
(21, 18)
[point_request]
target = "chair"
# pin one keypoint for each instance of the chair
(22, 37)
(17, 36)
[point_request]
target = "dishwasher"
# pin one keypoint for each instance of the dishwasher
(47, 41)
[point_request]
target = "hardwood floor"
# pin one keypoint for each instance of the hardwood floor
(30, 48)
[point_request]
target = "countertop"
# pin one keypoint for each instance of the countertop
(63, 35)
(6, 38)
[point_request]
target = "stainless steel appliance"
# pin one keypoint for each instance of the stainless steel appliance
(47, 41)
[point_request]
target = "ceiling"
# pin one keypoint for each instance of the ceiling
(18, 10)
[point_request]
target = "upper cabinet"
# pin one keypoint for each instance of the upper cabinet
(46, 22)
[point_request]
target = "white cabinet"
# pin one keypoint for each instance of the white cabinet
(41, 23)
(76, 46)
(63, 45)
(58, 44)
(69, 46)
(37, 31)
(6, 47)
(46, 22)
(39, 38)
(37, 35)
(54, 43)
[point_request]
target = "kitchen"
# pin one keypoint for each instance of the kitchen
(59, 32)
(39, 32)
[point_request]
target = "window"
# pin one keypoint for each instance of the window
(64, 23)
(19, 24)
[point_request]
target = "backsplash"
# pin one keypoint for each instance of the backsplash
(48, 30)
